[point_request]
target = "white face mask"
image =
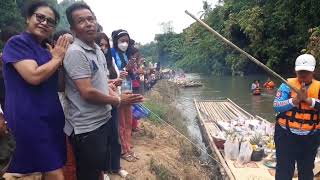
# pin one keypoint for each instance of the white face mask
(123, 46)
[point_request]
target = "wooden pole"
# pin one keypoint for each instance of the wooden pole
(256, 61)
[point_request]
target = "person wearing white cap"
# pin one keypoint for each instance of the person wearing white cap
(297, 124)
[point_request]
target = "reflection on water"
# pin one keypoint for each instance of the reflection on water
(235, 88)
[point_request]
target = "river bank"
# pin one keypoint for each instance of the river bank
(164, 153)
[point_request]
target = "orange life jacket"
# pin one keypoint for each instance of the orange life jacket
(256, 91)
(303, 117)
(269, 85)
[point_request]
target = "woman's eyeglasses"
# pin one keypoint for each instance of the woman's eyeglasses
(41, 18)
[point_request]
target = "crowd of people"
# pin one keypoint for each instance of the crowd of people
(71, 88)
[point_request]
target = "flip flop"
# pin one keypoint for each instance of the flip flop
(134, 155)
(128, 157)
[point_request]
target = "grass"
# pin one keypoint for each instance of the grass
(161, 101)
(161, 172)
(157, 108)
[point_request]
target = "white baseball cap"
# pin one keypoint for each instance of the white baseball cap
(305, 62)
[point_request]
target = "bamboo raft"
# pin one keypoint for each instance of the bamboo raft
(209, 112)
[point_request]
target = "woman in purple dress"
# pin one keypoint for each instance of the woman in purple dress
(32, 106)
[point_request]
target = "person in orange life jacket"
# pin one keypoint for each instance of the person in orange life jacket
(269, 84)
(121, 41)
(255, 86)
(297, 124)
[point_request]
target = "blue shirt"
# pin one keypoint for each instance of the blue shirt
(117, 59)
(33, 112)
(283, 103)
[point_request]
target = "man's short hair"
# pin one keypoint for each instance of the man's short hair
(74, 7)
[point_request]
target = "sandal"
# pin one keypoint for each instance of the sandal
(134, 155)
(136, 130)
(128, 157)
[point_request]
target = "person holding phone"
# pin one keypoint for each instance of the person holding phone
(90, 102)
(114, 81)
(121, 41)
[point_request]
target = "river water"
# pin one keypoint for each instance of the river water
(236, 88)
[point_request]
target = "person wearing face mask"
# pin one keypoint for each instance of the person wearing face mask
(32, 108)
(113, 166)
(121, 41)
(297, 128)
(90, 103)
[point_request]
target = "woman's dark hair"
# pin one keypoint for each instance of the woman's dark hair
(7, 32)
(111, 68)
(131, 48)
(100, 36)
(132, 52)
(100, 28)
(36, 5)
(57, 34)
(74, 7)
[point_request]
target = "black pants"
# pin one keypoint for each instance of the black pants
(114, 153)
(292, 148)
(91, 151)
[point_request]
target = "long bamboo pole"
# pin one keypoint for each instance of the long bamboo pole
(256, 61)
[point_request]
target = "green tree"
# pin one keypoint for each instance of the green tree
(10, 16)
(273, 31)
(149, 52)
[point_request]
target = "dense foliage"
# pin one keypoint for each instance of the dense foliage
(273, 31)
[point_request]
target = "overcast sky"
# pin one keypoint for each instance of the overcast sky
(142, 18)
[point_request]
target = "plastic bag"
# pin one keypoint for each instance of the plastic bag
(245, 152)
(139, 111)
(231, 148)
(270, 129)
(227, 147)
